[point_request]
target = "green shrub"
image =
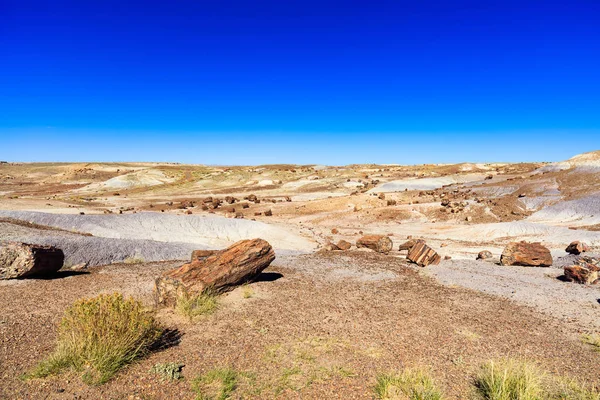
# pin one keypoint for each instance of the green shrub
(411, 384)
(217, 384)
(192, 306)
(168, 371)
(509, 380)
(99, 336)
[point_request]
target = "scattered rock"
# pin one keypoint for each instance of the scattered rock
(582, 274)
(334, 231)
(526, 254)
(268, 213)
(391, 202)
(221, 271)
(423, 255)
(344, 245)
(409, 244)
(378, 243)
(484, 255)
(23, 260)
(577, 247)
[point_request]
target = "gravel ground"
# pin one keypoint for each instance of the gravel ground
(536, 287)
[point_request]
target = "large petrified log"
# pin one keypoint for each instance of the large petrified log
(378, 243)
(220, 272)
(423, 255)
(526, 254)
(23, 260)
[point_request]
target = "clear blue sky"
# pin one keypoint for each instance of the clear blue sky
(335, 82)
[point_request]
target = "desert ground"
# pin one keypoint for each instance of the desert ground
(318, 323)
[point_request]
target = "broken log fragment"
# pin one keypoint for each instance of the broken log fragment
(423, 255)
(23, 260)
(378, 243)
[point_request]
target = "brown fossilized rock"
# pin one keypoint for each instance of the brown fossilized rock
(202, 254)
(343, 245)
(423, 255)
(378, 243)
(22, 260)
(409, 244)
(526, 254)
(577, 248)
(584, 274)
(220, 272)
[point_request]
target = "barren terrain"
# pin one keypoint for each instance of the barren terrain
(317, 323)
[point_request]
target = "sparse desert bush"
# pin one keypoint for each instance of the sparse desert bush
(411, 384)
(99, 336)
(192, 306)
(134, 260)
(216, 384)
(168, 371)
(593, 340)
(509, 380)
(247, 292)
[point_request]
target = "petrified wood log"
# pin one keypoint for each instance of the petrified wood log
(587, 274)
(423, 255)
(378, 243)
(409, 244)
(577, 248)
(526, 254)
(22, 260)
(220, 272)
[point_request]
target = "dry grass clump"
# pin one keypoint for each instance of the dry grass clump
(572, 390)
(411, 384)
(99, 336)
(593, 340)
(217, 384)
(509, 380)
(192, 306)
(134, 260)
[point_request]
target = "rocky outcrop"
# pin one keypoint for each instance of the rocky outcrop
(484, 255)
(378, 243)
(22, 260)
(526, 254)
(220, 272)
(587, 274)
(577, 248)
(423, 255)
